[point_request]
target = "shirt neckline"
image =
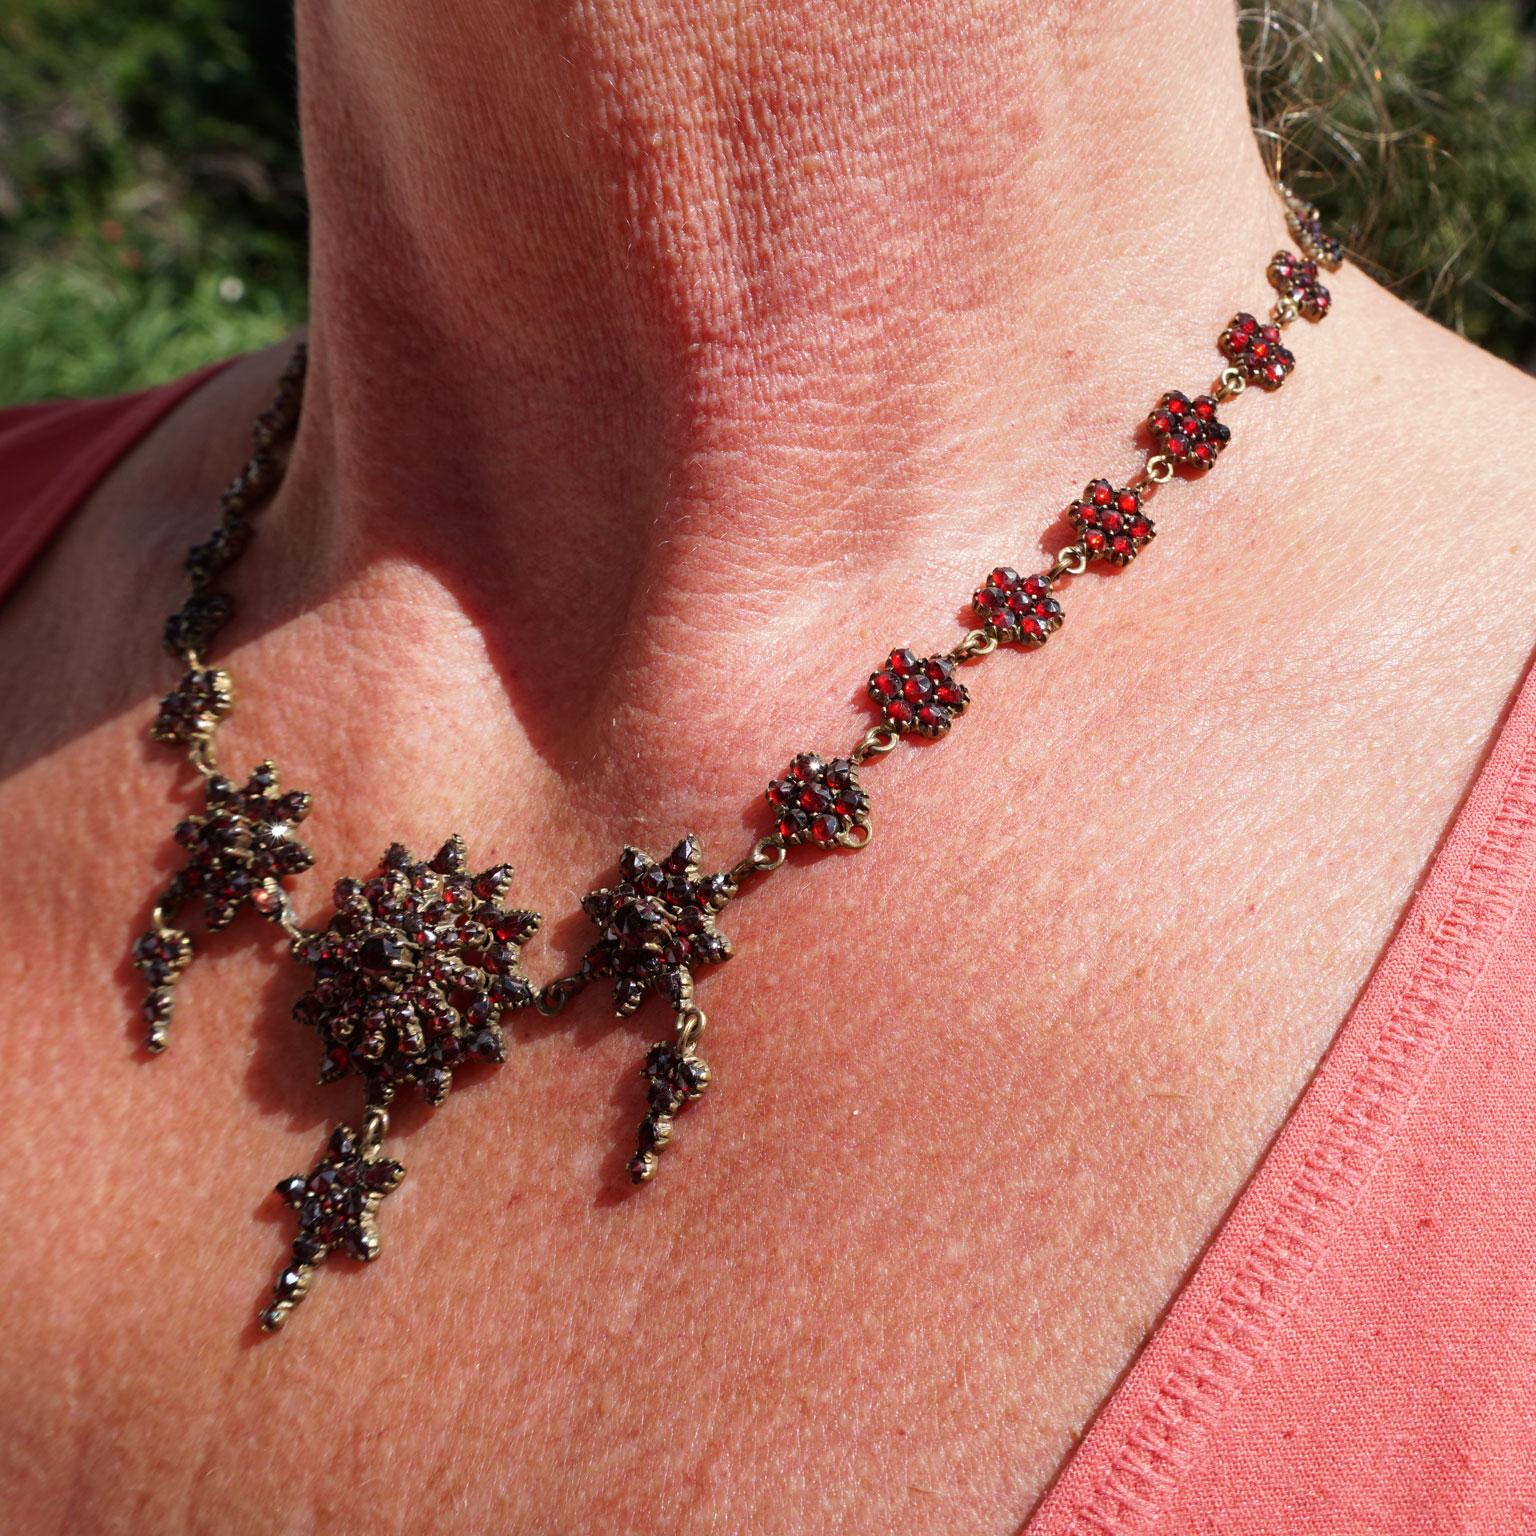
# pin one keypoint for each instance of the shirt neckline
(1146, 1436)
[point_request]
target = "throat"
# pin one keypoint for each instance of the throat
(663, 313)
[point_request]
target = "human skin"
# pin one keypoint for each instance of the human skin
(672, 362)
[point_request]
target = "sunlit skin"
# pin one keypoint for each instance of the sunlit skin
(672, 364)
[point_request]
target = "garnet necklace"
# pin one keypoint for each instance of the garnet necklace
(413, 973)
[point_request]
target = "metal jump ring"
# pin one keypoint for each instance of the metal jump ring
(690, 1025)
(876, 740)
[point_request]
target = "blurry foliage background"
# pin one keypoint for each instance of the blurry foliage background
(1412, 123)
(151, 203)
(152, 210)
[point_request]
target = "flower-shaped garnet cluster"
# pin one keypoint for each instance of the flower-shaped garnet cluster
(1307, 225)
(1017, 608)
(1256, 351)
(336, 1202)
(673, 1077)
(1109, 523)
(1296, 279)
(656, 924)
(241, 846)
(918, 693)
(198, 702)
(190, 630)
(818, 801)
(230, 539)
(414, 971)
(1188, 430)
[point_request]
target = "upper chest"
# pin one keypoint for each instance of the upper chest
(981, 1093)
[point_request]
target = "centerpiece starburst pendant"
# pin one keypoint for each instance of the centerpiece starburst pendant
(416, 970)
(412, 976)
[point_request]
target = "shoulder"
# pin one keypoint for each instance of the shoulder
(55, 452)
(1413, 451)
(55, 441)
(1448, 419)
(99, 500)
(119, 460)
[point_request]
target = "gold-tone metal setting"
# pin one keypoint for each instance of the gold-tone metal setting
(240, 848)
(1306, 224)
(817, 803)
(656, 923)
(337, 1203)
(1111, 522)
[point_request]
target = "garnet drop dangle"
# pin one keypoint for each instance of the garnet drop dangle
(658, 922)
(336, 1202)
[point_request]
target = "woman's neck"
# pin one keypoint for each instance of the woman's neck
(649, 304)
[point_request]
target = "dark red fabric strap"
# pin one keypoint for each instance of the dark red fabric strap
(53, 454)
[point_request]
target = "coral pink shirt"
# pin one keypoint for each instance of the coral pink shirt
(1355, 1353)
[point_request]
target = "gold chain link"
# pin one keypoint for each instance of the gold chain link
(1072, 561)
(375, 1127)
(201, 754)
(1231, 384)
(554, 995)
(976, 644)
(767, 854)
(866, 835)
(875, 742)
(690, 1025)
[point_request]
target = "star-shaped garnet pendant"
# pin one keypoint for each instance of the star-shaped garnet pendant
(240, 850)
(336, 1201)
(656, 924)
(241, 846)
(415, 970)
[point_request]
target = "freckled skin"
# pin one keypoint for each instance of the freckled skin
(672, 365)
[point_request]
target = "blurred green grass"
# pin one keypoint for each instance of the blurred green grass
(152, 214)
(78, 327)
